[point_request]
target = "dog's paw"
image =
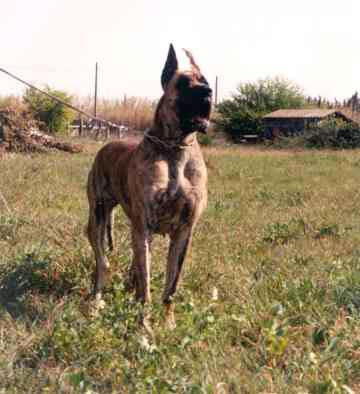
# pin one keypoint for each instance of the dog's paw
(146, 324)
(107, 264)
(96, 305)
(170, 322)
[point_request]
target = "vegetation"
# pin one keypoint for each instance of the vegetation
(329, 134)
(333, 133)
(269, 303)
(243, 112)
(134, 112)
(13, 102)
(55, 116)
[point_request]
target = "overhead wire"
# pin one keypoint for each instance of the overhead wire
(51, 96)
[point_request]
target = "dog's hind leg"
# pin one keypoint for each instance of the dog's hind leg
(130, 282)
(109, 215)
(96, 234)
(179, 244)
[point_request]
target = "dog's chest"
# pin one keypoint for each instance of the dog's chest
(168, 179)
(172, 196)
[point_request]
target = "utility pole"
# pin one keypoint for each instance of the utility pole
(216, 90)
(96, 86)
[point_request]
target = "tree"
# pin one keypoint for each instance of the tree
(54, 115)
(243, 112)
(237, 120)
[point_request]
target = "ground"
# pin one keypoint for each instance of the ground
(269, 302)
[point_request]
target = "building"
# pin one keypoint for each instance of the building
(289, 122)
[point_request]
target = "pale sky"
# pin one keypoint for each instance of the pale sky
(315, 43)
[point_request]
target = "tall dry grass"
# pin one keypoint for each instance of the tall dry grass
(12, 101)
(134, 112)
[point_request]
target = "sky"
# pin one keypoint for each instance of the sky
(314, 43)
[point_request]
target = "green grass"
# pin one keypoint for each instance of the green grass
(280, 241)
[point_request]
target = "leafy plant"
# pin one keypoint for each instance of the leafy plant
(55, 116)
(333, 133)
(276, 338)
(243, 112)
(205, 139)
(280, 233)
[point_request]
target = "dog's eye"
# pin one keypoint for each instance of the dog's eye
(203, 80)
(183, 82)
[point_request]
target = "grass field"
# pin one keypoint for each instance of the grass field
(279, 243)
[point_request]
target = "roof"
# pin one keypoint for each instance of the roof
(353, 116)
(300, 113)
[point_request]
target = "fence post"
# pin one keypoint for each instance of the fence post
(80, 126)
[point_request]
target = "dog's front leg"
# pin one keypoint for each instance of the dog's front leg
(141, 263)
(141, 240)
(180, 241)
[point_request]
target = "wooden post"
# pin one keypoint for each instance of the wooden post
(96, 86)
(80, 126)
(216, 90)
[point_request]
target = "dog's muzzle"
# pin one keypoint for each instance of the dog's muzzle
(194, 110)
(201, 125)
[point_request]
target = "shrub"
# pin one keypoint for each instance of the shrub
(236, 121)
(55, 116)
(205, 139)
(242, 113)
(333, 133)
(329, 134)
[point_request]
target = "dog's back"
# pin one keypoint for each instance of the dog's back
(108, 178)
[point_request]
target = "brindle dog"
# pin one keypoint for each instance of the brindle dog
(160, 182)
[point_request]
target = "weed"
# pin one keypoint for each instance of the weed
(280, 233)
(9, 227)
(328, 230)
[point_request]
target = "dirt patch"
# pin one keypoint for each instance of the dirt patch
(19, 132)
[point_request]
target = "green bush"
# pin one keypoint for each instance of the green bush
(205, 139)
(237, 121)
(242, 114)
(55, 116)
(333, 133)
(329, 134)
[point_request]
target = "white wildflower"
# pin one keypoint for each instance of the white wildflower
(146, 345)
(215, 294)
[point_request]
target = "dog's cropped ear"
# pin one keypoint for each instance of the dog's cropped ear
(194, 66)
(170, 67)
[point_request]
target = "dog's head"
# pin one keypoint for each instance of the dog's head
(186, 103)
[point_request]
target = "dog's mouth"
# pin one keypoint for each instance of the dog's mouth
(195, 115)
(200, 124)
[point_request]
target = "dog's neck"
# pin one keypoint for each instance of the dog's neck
(168, 133)
(157, 137)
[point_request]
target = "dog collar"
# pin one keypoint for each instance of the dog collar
(168, 144)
